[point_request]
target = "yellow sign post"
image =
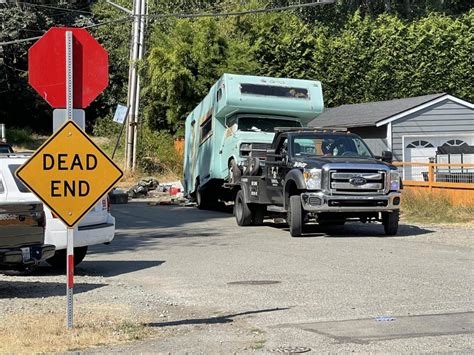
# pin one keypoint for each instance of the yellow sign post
(69, 173)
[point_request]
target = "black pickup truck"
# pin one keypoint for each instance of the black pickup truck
(328, 177)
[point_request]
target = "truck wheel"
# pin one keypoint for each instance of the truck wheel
(204, 199)
(242, 212)
(258, 214)
(58, 260)
(295, 216)
(390, 222)
(234, 172)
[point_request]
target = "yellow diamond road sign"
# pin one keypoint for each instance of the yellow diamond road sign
(69, 173)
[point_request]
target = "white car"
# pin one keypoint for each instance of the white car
(97, 227)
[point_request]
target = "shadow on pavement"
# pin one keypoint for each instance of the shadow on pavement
(106, 268)
(36, 289)
(141, 214)
(353, 230)
(213, 320)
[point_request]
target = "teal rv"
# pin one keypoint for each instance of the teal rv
(235, 121)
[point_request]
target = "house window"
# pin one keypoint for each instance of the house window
(206, 129)
(455, 143)
(420, 144)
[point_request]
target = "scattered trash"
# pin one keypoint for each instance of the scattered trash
(385, 319)
(143, 187)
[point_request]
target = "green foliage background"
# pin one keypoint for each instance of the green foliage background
(360, 50)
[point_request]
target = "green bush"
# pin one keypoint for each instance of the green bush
(156, 153)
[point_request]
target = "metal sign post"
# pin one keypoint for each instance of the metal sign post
(70, 231)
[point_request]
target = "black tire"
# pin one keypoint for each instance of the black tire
(242, 212)
(234, 172)
(390, 222)
(258, 214)
(253, 166)
(295, 216)
(205, 200)
(58, 260)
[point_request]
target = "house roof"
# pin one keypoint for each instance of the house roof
(378, 113)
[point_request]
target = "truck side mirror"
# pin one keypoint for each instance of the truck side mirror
(387, 156)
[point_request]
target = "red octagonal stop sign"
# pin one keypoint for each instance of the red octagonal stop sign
(47, 67)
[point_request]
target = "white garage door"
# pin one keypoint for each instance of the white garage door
(418, 151)
(421, 149)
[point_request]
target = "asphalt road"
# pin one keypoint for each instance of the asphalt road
(341, 289)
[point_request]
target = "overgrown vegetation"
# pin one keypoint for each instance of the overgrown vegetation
(422, 206)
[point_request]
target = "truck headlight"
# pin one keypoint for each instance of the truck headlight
(394, 180)
(312, 177)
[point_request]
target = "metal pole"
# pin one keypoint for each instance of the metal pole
(143, 9)
(70, 231)
(133, 86)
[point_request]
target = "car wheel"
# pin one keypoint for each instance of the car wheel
(390, 222)
(295, 216)
(242, 212)
(58, 260)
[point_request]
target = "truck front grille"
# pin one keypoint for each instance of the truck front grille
(256, 150)
(357, 182)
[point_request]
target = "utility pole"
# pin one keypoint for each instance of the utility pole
(143, 11)
(133, 96)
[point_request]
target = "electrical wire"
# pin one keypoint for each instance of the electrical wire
(55, 8)
(190, 15)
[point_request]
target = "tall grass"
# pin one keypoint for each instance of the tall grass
(424, 206)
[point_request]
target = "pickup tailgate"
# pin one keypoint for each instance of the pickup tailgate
(21, 224)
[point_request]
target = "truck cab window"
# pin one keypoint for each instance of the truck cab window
(2, 188)
(283, 147)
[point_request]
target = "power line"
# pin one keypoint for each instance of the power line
(190, 15)
(17, 41)
(55, 8)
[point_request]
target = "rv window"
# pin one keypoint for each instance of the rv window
(270, 90)
(260, 124)
(206, 129)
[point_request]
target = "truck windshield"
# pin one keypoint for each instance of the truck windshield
(256, 124)
(334, 146)
(5, 148)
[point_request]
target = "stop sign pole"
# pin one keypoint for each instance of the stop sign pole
(70, 231)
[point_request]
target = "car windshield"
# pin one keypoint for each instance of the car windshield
(334, 146)
(260, 124)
